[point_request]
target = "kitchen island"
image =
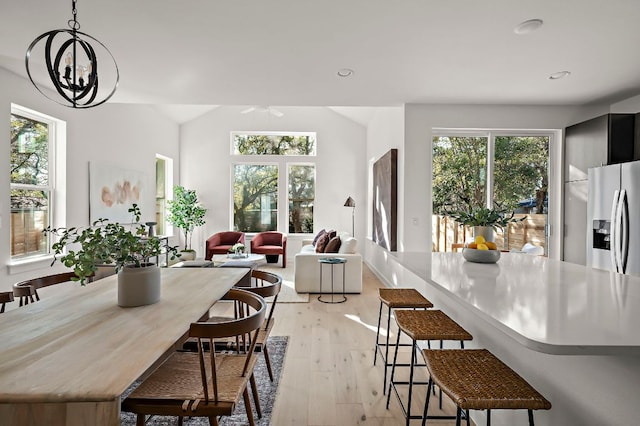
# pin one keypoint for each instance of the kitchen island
(547, 305)
(571, 331)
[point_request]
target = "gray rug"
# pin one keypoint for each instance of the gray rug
(266, 389)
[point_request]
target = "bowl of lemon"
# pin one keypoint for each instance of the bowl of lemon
(481, 251)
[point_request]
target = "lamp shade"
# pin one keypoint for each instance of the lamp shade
(350, 202)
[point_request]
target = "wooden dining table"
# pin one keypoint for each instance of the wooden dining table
(67, 359)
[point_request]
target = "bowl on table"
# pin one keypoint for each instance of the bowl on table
(480, 256)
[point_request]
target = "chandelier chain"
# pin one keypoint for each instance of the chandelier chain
(73, 23)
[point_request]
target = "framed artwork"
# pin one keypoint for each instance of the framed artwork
(112, 191)
(385, 200)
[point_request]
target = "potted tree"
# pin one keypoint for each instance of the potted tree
(186, 213)
(128, 248)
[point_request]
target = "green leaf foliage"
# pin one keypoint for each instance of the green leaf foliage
(105, 243)
(483, 217)
(186, 213)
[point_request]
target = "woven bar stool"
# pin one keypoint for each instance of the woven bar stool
(395, 298)
(476, 380)
(424, 325)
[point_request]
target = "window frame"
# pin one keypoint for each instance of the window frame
(56, 187)
(555, 185)
(282, 163)
(168, 194)
(315, 186)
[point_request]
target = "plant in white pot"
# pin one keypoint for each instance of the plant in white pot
(186, 213)
(483, 220)
(127, 247)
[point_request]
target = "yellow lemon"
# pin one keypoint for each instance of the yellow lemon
(491, 245)
(480, 239)
(482, 247)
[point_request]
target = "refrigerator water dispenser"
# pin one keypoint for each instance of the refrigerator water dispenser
(602, 234)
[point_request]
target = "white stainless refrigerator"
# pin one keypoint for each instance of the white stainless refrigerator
(613, 218)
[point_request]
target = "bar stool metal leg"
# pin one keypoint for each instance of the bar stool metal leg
(375, 350)
(393, 369)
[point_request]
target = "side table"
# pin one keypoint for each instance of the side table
(332, 261)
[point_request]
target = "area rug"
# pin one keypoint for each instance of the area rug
(288, 292)
(266, 389)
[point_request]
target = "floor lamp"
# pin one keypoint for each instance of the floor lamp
(351, 203)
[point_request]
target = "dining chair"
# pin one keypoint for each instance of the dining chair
(5, 297)
(205, 383)
(24, 293)
(266, 284)
(36, 283)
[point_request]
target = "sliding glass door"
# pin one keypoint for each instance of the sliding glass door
(506, 171)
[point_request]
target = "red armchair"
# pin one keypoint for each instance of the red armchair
(221, 242)
(271, 244)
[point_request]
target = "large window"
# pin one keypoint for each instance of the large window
(32, 141)
(273, 181)
(164, 188)
(504, 171)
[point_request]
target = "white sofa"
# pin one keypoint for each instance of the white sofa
(307, 271)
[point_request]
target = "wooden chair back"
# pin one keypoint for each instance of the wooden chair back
(24, 293)
(266, 284)
(208, 332)
(5, 297)
(36, 283)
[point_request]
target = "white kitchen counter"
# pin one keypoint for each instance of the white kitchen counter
(546, 305)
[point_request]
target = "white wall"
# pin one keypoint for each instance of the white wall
(205, 147)
(126, 136)
(385, 131)
(630, 105)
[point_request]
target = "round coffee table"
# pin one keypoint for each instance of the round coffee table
(231, 259)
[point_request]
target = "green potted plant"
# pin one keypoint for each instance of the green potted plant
(484, 220)
(128, 248)
(186, 213)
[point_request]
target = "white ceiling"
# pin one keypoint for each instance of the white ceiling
(288, 52)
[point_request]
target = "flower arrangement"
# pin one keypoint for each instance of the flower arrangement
(237, 248)
(106, 243)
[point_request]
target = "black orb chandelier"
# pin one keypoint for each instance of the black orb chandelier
(72, 64)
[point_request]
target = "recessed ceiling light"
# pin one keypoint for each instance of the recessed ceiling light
(559, 75)
(345, 72)
(527, 27)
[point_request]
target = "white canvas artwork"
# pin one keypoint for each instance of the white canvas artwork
(113, 191)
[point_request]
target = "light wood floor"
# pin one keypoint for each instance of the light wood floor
(328, 376)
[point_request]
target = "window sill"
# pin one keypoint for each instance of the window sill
(27, 265)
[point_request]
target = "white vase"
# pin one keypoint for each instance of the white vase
(138, 286)
(485, 231)
(188, 255)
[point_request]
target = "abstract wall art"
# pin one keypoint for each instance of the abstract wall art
(385, 200)
(114, 190)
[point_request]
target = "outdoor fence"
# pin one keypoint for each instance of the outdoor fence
(26, 232)
(531, 230)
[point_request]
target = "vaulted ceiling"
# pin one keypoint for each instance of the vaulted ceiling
(288, 52)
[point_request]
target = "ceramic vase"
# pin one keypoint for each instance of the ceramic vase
(188, 255)
(485, 231)
(139, 286)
